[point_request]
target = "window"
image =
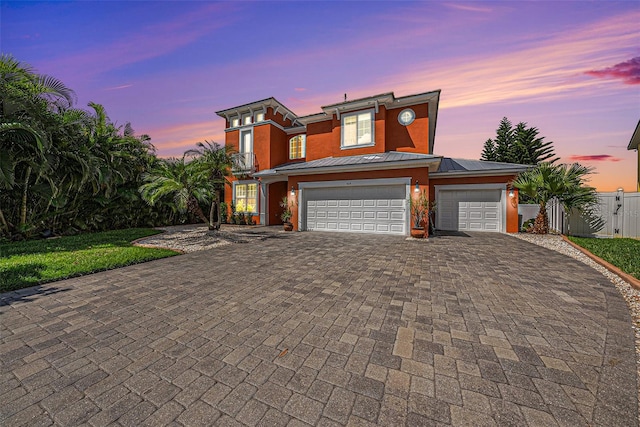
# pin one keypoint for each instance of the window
(246, 140)
(245, 197)
(246, 119)
(297, 147)
(235, 122)
(406, 117)
(259, 117)
(357, 129)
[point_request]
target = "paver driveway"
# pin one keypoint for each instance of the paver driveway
(325, 329)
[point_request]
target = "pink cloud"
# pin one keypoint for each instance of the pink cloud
(593, 158)
(545, 69)
(628, 71)
(118, 87)
(145, 43)
(468, 7)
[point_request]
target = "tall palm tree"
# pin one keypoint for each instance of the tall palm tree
(566, 183)
(180, 179)
(214, 161)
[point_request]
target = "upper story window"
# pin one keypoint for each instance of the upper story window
(297, 147)
(246, 119)
(235, 122)
(406, 117)
(259, 117)
(357, 129)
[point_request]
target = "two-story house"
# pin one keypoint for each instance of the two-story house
(354, 166)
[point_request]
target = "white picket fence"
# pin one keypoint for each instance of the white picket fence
(619, 211)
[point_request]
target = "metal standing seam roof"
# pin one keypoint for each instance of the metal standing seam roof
(447, 164)
(376, 158)
(465, 165)
(389, 156)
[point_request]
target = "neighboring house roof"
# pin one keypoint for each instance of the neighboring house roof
(635, 138)
(460, 167)
(376, 161)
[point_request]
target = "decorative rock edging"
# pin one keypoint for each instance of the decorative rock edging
(140, 243)
(612, 268)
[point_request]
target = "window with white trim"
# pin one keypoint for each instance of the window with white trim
(235, 122)
(245, 197)
(357, 129)
(259, 117)
(297, 147)
(246, 119)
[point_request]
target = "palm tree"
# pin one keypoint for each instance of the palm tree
(566, 183)
(214, 161)
(28, 105)
(578, 196)
(180, 179)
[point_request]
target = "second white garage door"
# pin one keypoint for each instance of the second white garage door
(469, 210)
(363, 209)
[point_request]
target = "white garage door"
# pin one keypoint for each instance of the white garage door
(360, 209)
(469, 210)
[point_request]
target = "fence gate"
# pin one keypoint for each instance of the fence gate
(619, 211)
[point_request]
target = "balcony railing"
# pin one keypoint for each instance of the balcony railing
(243, 163)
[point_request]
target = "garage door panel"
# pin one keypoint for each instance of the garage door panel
(357, 209)
(397, 215)
(384, 215)
(469, 210)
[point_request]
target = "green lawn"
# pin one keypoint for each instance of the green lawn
(623, 253)
(34, 262)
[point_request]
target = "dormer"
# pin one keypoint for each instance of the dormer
(268, 110)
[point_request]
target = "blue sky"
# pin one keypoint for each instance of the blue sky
(572, 69)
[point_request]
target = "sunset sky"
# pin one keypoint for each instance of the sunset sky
(569, 68)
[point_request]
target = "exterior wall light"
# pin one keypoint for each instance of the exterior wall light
(511, 193)
(293, 191)
(416, 189)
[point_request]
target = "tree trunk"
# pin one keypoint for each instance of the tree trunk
(541, 223)
(23, 206)
(5, 226)
(215, 207)
(218, 221)
(194, 208)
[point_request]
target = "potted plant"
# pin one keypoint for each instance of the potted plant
(419, 206)
(287, 213)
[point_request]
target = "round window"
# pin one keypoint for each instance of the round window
(406, 116)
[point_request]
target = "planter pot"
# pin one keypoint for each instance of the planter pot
(418, 233)
(288, 226)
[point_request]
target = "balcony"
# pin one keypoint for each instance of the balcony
(243, 163)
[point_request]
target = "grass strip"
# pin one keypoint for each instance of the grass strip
(623, 253)
(34, 262)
